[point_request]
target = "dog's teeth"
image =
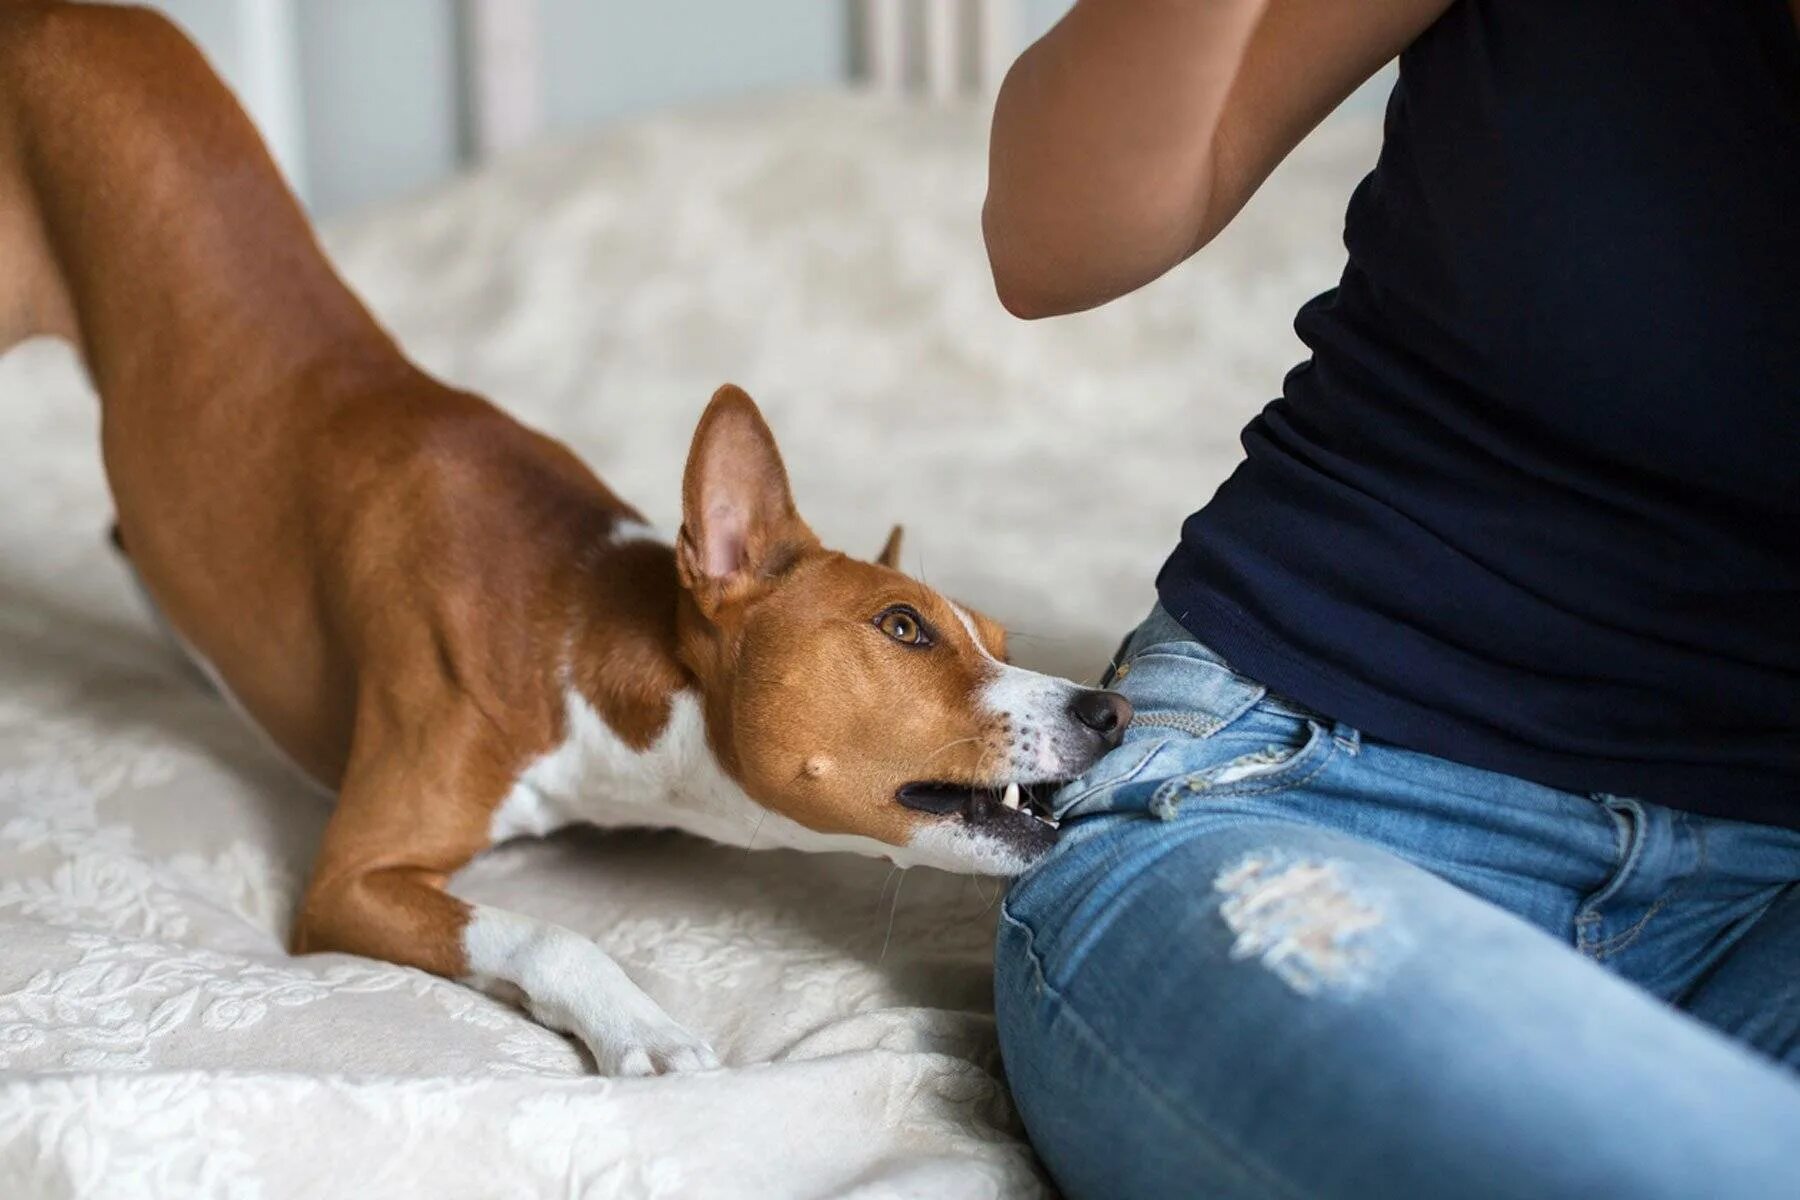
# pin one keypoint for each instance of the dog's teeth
(1011, 798)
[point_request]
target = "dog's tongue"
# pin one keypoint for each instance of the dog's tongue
(940, 798)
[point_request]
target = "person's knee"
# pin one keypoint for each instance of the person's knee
(1104, 1131)
(1301, 902)
(1122, 965)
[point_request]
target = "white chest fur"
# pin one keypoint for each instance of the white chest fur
(593, 777)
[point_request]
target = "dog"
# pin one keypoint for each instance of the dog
(442, 616)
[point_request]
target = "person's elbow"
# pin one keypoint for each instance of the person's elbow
(1025, 289)
(1029, 298)
(1038, 273)
(1051, 272)
(1033, 288)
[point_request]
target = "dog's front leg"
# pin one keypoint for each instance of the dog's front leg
(566, 981)
(399, 831)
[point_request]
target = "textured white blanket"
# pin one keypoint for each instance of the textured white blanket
(823, 251)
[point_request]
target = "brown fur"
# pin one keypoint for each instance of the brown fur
(394, 578)
(294, 492)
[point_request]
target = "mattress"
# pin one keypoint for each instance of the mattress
(823, 251)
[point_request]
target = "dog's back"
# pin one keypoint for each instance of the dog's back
(259, 428)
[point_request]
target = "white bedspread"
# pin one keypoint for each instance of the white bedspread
(824, 252)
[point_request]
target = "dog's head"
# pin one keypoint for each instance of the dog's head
(851, 698)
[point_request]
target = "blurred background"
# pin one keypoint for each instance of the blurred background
(363, 100)
(366, 99)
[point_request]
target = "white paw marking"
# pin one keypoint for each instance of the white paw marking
(573, 986)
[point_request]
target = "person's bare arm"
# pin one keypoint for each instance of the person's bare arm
(1133, 131)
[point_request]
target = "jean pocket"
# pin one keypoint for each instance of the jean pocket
(1182, 688)
(1263, 755)
(1160, 768)
(1142, 756)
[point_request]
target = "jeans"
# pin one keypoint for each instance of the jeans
(1270, 957)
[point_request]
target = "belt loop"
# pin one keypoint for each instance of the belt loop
(1349, 739)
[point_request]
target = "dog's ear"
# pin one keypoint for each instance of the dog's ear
(739, 527)
(890, 550)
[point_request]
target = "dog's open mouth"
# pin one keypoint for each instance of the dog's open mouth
(1025, 800)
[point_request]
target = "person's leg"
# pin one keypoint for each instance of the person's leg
(1242, 973)
(1703, 913)
(1753, 993)
(1236, 1004)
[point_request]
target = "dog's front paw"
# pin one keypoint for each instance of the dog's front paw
(573, 986)
(647, 1046)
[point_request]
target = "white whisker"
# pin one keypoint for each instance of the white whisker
(751, 844)
(951, 745)
(893, 911)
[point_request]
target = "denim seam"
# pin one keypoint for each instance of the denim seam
(1200, 727)
(1590, 916)
(1623, 941)
(1165, 797)
(1245, 1163)
(1114, 784)
(1233, 790)
(1173, 648)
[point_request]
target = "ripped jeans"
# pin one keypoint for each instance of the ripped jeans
(1272, 958)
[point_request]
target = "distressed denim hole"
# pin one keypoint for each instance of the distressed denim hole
(1303, 920)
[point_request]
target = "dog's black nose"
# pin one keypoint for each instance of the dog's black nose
(1106, 713)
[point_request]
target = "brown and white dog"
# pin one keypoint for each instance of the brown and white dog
(441, 615)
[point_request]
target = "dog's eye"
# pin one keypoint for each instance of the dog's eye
(903, 625)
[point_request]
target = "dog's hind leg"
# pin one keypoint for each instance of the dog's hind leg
(197, 667)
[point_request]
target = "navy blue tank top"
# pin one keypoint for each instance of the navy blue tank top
(1533, 503)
